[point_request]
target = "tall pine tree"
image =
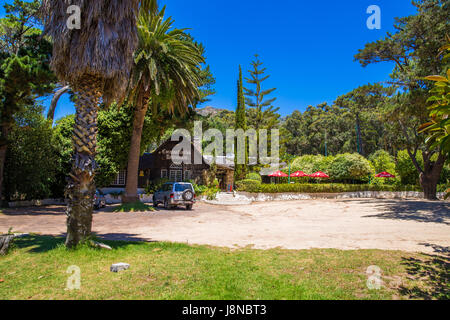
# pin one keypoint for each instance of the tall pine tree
(262, 115)
(241, 123)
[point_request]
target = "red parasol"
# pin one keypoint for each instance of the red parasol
(299, 174)
(278, 174)
(319, 174)
(385, 175)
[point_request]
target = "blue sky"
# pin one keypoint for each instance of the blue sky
(306, 46)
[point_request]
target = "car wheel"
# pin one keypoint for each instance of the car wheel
(103, 204)
(188, 195)
(189, 207)
(166, 204)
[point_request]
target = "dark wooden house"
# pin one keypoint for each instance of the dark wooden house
(159, 165)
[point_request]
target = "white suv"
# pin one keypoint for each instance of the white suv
(175, 194)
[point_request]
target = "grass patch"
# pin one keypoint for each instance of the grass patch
(134, 207)
(36, 269)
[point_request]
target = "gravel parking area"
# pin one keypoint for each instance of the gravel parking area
(341, 224)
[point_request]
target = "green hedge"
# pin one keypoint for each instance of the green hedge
(247, 184)
(318, 188)
(253, 176)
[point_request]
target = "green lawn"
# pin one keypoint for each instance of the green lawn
(36, 269)
(134, 207)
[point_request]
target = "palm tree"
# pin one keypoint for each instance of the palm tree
(95, 61)
(165, 76)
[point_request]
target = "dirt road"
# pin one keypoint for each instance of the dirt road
(340, 224)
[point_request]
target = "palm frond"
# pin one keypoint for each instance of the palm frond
(167, 64)
(103, 47)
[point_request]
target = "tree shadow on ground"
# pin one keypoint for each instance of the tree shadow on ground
(38, 244)
(35, 211)
(419, 211)
(38, 211)
(430, 275)
(121, 237)
(41, 244)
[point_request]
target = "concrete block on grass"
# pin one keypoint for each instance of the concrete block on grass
(117, 267)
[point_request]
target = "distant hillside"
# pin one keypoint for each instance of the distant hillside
(209, 111)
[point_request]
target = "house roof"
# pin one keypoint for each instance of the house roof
(147, 161)
(224, 167)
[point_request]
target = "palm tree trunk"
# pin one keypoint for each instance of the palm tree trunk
(81, 185)
(54, 103)
(131, 189)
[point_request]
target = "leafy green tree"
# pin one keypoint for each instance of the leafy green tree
(412, 48)
(329, 130)
(62, 135)
(221, 121)
(24, 68)
(19, 25)
(32, 157)
(439, 126)
(360, 102)
(240, 170)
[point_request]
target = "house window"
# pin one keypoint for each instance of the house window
(176, 175)
(120, 178)
(163, 174)
(187, 175)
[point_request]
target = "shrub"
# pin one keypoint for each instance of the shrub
(215, 184)
(253, 176)
(382, 161)
(155, 186)
(323, 188)
(406, 169)
(350, 166)
(445, 175)
(247, 184)
(199, 189)
(211, 193)
(310, 164)
(384, 181)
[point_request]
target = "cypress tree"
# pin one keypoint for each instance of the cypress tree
(241, 123)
